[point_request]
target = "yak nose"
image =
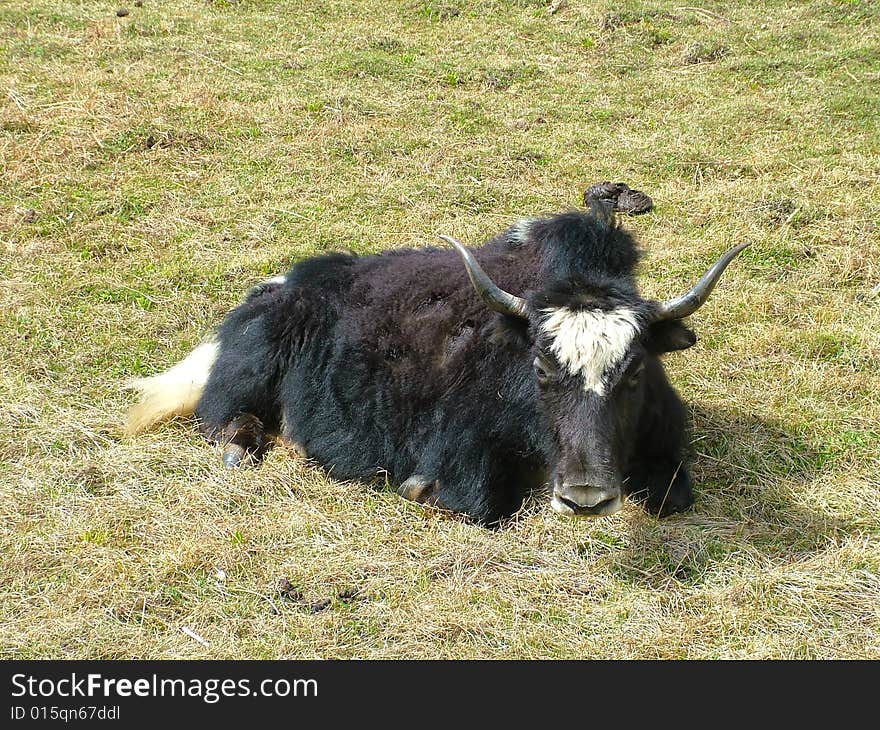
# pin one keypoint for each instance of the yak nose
(586, 499)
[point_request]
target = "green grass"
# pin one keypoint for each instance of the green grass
(156, 165)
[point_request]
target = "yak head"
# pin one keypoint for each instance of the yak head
(595, 345)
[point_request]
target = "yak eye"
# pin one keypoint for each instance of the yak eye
(544, 369)
(635, 375)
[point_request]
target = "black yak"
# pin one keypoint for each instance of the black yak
(465, 396)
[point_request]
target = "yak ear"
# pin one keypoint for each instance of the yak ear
(669, 336)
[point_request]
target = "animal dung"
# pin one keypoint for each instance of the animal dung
(620, 197)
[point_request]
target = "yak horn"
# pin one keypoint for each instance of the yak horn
(687, 304)
(492, 294)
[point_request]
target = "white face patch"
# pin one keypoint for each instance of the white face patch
(590, 342)
(276, 280)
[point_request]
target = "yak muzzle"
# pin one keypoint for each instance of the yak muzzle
(586, 500)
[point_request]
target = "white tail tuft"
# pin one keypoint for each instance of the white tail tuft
(176, 392)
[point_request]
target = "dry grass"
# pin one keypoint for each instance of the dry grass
(155, 165)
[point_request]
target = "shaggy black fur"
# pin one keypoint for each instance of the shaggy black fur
(392, 364)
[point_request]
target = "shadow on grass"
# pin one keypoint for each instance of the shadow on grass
(745, 451)
(751, 476)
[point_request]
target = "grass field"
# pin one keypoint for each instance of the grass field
(156, 165)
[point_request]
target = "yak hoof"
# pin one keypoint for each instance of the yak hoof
(422, 490)
(233, 456)
(243, 440)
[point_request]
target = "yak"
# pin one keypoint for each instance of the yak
(422, 366)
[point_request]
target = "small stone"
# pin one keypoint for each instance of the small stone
(138, 3)
(122, 12)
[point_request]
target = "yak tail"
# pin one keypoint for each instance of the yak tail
(176, 392)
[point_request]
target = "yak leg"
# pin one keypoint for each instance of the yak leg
(239, 403)
(663, 488)
(484, 497)
(243, 440)
(422, 490)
